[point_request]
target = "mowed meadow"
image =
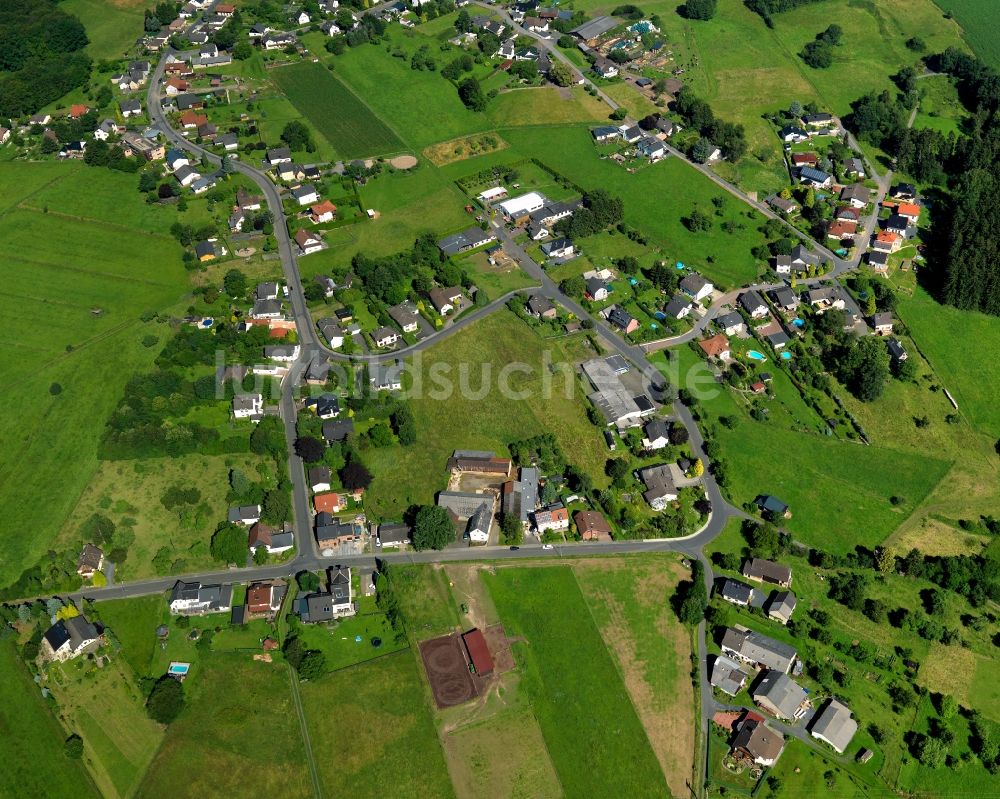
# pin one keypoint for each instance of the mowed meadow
(81, 264)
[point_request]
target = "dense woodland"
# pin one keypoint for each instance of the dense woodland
(41, 55)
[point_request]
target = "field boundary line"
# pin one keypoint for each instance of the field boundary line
(91, 221)
(293, 682)
(43, 187)
(109, 275)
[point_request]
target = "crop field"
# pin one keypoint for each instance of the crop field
(106, 707)
(595, 722)
(971, 15)
(67, 364)
(338, 113)
(33, 739)
(211, 749)
(469, 417)
(372, 730)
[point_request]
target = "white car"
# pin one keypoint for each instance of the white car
(547, 546)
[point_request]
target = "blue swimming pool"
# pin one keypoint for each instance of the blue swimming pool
(177, 669)
(756, 356)
(786, 356)
(799, 322)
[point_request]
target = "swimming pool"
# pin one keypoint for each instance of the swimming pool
(756, 356)
(799, 322)
(786, 356)
(177, 669)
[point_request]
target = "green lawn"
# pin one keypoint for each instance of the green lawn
(802, 773)
(347, 122)
(134, 623)
(33, 739)
(373, 731)
(57, 270)
(448, 418)
(940, 107)
(577, 693)
(238, 733)
(337, 641)
(425, 600)
(546, 105)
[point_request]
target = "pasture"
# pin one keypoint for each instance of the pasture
(470, 408)
(372, 730)
(112, 25)
(33, 739)
(554, 106)
(212, 749)
(971, 14)
(340, 115)
(79, 287)
(575, 688)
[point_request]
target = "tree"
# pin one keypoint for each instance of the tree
(511, 529)
(692, 598)
(242, 50)
(885, 559)
(404, 425)
(471, 94)
(235, 282)
(312, 665)
(73, 747)
(463, 22)
(297, 136)
(229, 544)
(561, 75)
(698, 221)
(308, 581)
(432, 528)
(701, 150)
(310, 449)
(930, 751)
(166, 700)
(618, 470)
(700, 9)
(277, 507)
(355, 475)
(380, 435)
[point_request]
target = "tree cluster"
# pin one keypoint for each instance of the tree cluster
(819, 52)
(729, 137)
(600, 211)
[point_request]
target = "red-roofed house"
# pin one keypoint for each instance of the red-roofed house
(887, 241)
(479, 652)
(192, 119)
(716, 347)
(78, 110)
(323, 212)
(225, 9)
(909, 210)
(331, 502)
(263, 598)
(841, 229)
(176, 85)
(804, 159)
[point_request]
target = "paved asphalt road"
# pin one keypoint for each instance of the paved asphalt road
(311, 344)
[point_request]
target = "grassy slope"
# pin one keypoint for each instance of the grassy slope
(112, 25)
(578, 697)
(57, 269)
(372, 729)
(33, 740)
(490, 422)
(238, 733)
(971, 15)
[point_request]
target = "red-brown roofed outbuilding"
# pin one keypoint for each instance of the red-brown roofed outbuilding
(479, 652)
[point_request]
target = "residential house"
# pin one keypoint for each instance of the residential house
(805, 159)
(678, 307)
(445, 299)
(604, 134)
(492, 195)
(338, 430)
(772, 508)
(896, 351)
(468, 239)
(736, 593)
(105, 130)
(90, 562)
(386, 378)
(322, 212)
(757, 649)
(656, 435)
(909, 211)
(192, 120)
(478, 528)
(277, 40)
(779, 203)
(631, 133)
(767, 571)
(185, 175)
(731, 323)
(605, 67)
(727, 675)
(195, 599)
(558, 248)
(244, 514)
(133, 143)
(331, 532)
(793, 134)
(780, 695)
(175, 159)
(305, 195)
(282, 353)
(856, 195)
(652, 148)
(716, 347)
(757, 742)
(833, 725)
(753, 304)
(784, 298)
(854, 167)
(279, 155)
(325, 406)
(130, 108)
(539, 307)
(660, 490)
(393, 534)
(621, 319)
(314, 608)
(882, 323)
(266, 309)
(319, 478)
(781, 606)
(696, 287)
(597, 289)
(848, 213)
(329, 502)
(906, 192)
(385, 337)
(463, 504)
(592, 525)
(554, 517)
(798, 260)
(841, 229)
(264, 599)
(73, 149)
(248, 406)
(78, 110)
(518, 209)
(204, 250)
(668, 127)
(307, 242)
(897, 224)
(816, 178)
(820, 120)
(70, 638)
(406, 316)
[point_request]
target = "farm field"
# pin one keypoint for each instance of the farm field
(373, 732)
(338, 113)
(207, 750)
(105, 706)
(63, 376)
(971, 14)
(112, 27)
(448, 420)
(596, 721)
(33, 739)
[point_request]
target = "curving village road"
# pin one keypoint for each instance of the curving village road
(309, 558)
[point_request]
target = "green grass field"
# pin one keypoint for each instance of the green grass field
(971, 15)
(546, 105)
(134, 623)
(576, 691)
(219, 747)
(372, 730)
(456, 419)
(112, 26)
(57, 270)
(425, 600)
(341, 116)
(33, 739)
(940, 107)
